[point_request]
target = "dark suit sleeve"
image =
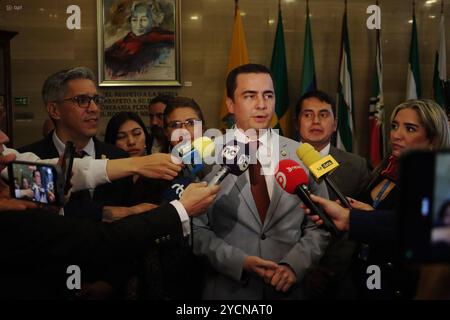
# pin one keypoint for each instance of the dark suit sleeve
(116, 193)
(40, 235)
(373, 227)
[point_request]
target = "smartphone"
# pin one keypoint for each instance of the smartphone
(66, 165)
(424, 224)
(36, 182)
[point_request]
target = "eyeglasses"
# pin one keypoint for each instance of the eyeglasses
(189, 123)
(84, 101)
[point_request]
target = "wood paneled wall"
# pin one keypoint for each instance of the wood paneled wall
(44, 45)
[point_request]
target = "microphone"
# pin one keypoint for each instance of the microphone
(321, 168)
(176, 189)
(294, 180)
(235, 159)
(192, 155)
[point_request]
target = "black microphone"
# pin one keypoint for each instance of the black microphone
(321, 167)
(234, 159)
(293, 179)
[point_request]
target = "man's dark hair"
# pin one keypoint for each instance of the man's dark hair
(163, 98)
(245, 68)
(55, 86)
(182, 102)
(319, 95)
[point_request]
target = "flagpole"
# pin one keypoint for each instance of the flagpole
(345, 6)
(442, 6)
(236, 5)
(414, 8)
(279, 5)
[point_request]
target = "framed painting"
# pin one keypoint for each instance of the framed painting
(138, 42)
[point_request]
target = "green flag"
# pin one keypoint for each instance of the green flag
(308, 82)
(279, 72)
(413, 89)
(345, 93)
(440, 72)
(376, 113)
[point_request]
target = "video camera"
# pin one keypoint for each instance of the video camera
(424, 206)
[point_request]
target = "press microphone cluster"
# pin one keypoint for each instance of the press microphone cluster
(293, 179)
(234, 159)
(320, 167)
(192, 155)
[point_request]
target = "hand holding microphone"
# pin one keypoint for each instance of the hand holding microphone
(339, 215)
(293, 179)
(235, 160)
(321, 168)
(192, 155)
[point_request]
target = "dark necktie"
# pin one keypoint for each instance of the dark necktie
(83, 194)
(259, 189)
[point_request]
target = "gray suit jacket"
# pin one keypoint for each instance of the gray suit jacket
(232, 229)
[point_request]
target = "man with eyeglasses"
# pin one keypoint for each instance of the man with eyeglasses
(73, 104)
(37, 245)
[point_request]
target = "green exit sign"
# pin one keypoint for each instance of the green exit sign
(21, 101)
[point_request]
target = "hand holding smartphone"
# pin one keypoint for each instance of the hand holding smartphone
(42, 182)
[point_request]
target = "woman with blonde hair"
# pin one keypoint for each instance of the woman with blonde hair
(415, 124)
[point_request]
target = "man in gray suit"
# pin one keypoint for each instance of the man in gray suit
(317, 122)
(257, 249)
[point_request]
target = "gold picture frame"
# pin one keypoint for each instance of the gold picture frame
(138, 42)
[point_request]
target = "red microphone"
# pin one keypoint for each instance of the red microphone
(294, 180)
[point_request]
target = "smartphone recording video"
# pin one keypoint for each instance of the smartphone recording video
(35, 182)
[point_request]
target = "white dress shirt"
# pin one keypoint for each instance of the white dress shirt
(264, 155)
(89, 148)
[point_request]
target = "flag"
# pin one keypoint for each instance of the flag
(376, 114)
(238, 56)
(440, 74)
(344, 99)
(278, 69)
(308, 80)
(413, 89)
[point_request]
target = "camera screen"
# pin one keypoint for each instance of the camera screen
(35, 183)
(440, 229)
(424, 225)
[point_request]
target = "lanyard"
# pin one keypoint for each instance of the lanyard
(377, 200)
